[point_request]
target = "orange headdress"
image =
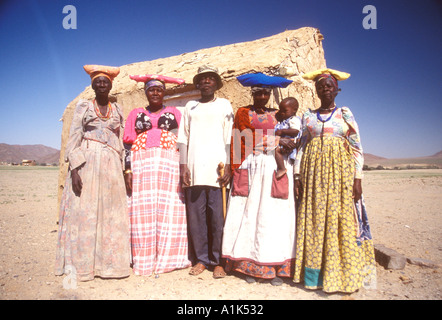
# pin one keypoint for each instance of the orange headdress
(96, 71)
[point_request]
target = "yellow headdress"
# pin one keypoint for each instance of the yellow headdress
(326, 72)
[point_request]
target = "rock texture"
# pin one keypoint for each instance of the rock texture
(389, 258)
(290, 54)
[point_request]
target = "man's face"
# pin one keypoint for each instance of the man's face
(207, 84)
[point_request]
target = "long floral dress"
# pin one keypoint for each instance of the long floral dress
(93, 237)
(334, 245)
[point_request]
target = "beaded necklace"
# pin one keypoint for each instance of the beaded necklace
(98, 112)
(318, 115)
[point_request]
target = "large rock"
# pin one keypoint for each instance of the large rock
(290, 54)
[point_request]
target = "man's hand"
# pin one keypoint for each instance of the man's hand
(185, 175)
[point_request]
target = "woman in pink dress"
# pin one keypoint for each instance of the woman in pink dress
(156, 202)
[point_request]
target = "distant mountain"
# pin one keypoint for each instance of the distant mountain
(37, 152)
(437, 155)
(430, 161)
(372, 157)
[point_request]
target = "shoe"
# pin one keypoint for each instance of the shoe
(250, 279)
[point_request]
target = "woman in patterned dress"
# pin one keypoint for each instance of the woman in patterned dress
(334, 246)
(156, 203)
(259, 233)
(93, 237)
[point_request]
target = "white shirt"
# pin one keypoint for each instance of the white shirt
(206, 129)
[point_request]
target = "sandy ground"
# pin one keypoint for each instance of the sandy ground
(404, 212)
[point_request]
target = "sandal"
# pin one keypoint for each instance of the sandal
(197, 269)
(219, 272)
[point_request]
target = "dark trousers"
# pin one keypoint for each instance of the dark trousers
(205, 222)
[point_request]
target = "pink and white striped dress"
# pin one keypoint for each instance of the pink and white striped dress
(156, 207)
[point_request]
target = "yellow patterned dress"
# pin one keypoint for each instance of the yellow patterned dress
(334, 245)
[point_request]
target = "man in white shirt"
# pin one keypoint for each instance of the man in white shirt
(204, 142)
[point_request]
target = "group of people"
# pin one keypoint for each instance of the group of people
(149, 193)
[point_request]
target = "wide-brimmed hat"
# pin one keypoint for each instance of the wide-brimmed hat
(208, 69)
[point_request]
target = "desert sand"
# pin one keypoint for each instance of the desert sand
(404, 212)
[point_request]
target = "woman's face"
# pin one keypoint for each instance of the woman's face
(155, 95)
(102, 86)
(326, 90)
(260, 98)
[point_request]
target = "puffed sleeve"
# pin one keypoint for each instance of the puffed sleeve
(295, 123)
(354, 139)
(73, 154)
(305, 137)
(119, 109)
(129, 136)
(240, 137)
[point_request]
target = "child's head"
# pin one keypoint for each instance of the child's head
(287, 108)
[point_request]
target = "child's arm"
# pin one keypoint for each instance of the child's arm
(287, 132)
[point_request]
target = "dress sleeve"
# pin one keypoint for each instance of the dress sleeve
(178, 115)
(354, 139)
(305, 137)
(74, 154)
(119, 109)
(295, 123)
(129, 137)
(241, 122)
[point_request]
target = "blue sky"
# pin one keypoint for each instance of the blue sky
(395, 88)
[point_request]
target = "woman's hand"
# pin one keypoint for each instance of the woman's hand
(185, 175)
(357, 190)
(298, 189)
(77, 183)
(128, 182)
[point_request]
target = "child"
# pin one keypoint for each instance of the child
(289, 126)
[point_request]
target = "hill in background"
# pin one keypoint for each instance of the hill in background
(42, 154)
(39, 153)
(433, 161)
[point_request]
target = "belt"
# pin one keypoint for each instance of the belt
(89, 139)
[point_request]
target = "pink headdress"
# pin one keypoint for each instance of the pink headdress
(163, 79)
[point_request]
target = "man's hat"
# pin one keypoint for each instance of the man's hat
(208, 69)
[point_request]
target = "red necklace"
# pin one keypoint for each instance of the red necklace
(98, 112)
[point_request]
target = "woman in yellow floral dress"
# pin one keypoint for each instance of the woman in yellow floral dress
(334, 245)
